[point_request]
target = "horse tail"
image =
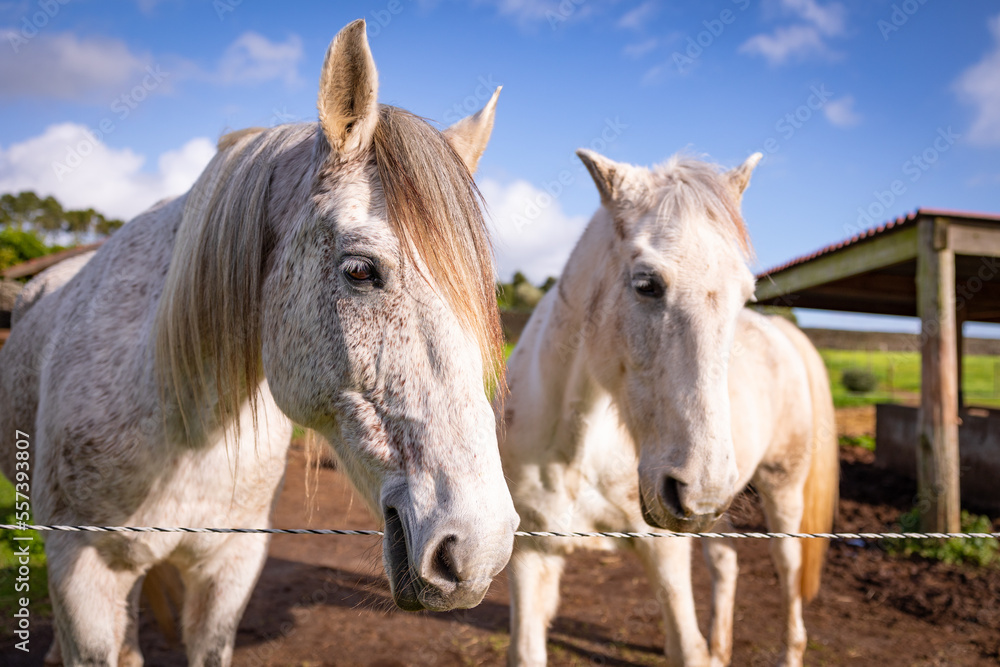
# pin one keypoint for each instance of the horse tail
(164, 592)
(821, 492)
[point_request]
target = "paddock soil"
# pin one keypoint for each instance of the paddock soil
(324, 600)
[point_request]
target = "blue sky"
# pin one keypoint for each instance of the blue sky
(117, 104)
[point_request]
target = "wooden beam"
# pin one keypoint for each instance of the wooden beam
(960, 354)
(971, 239)
(885, 250)
(811, 299)
(937, 449)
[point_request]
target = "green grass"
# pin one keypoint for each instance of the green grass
(865, 441)
(898, 376)
(37, 577)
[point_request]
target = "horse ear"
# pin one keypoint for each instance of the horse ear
(348, 91)
(608, 175)
(739, 178)
(470, 135)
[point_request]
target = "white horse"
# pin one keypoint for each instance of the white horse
(641, 391)
(338, 274)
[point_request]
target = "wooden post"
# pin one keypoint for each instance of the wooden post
(937, 450)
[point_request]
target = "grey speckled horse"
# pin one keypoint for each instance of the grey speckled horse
(338, 274)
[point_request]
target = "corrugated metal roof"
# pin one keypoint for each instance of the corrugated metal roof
(901, 221)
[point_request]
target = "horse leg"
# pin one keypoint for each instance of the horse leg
(54, 656)
(534, 597)
(668, 564)
(720, 554)
(89, 602)
(216, 592)
(130, 655)
(783, 508)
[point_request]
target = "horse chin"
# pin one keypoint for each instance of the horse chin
(402, 580)
(675, 524)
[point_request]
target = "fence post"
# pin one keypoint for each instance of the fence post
(937, 449)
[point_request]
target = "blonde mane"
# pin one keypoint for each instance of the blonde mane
(689, 186)
(211, 307)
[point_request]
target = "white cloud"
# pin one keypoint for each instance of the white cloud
(68, 67)
(640, 49)
(829, 19)
(64, 66)
(841, 112)
(636, 18)
(69, 163)
(530, 14)
(532, 233)
(253, 58)
(654, 75)
(803, 39)
(979, 86)
(784, 43)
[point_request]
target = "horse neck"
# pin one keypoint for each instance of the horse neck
(573, 319)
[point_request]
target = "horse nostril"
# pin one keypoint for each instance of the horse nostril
(442, 565)
(671, 497)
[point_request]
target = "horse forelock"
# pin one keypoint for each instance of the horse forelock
(685, 187)
(435, 210)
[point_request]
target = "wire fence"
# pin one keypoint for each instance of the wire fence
(520, 533)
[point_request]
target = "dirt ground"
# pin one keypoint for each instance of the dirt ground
(324, 601)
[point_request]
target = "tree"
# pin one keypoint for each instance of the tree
(519, 294)
(31, 226)
(50, 221)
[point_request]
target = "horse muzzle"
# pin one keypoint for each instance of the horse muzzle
(674, 507)
(450, 568)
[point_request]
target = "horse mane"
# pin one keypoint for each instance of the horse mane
(211, 306)
(690, 186)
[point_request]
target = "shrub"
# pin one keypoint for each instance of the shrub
(981, 551)
(858, 380)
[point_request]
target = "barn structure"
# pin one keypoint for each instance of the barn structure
(943, 267)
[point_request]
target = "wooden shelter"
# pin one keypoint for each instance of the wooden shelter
(941, 266)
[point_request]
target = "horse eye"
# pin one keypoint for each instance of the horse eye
(360, 271)
(647, 286)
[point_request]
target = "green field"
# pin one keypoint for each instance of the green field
(898, 376)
